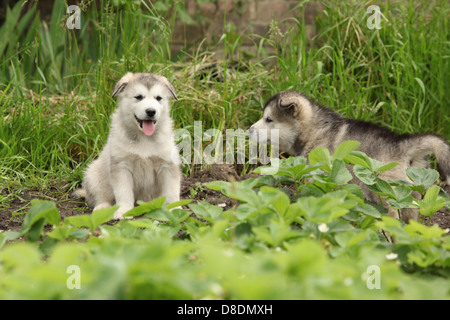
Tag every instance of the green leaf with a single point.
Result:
(244, 211)
(78, 233)
(432, 202)
(241, 191)
(274, 198)
(174, 216)
(379, 166)
(402, 198)
(92, 221)
(324, 209)
(142, 223)
(61, 232)
(160, 214)
(178, 203)
(294, 210)
(275, 233)
(354, 192)
(364, 174)
(417, 229)
(217, 185)
(422, 259)
(401, 192)
(406, 202)
(145, 207)
(35, 231)
(206, 211)
(177, 216)
(41, 211)
(109, 231)
(292, 172)
(320, 156)
(351, 238)
(47, 246)
(382, 188)
(219, 227)
(387, 167)
(102, 216)
(12, 235)
(394, 227)
(339, 172)
(359, 158)
(422, 176)
(368, 210)
(83, 220)
(293, 167)
(344, 149)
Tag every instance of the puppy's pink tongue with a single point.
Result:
(148, 126)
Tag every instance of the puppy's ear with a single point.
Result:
(172, 90)
(118, 88)
(121, 84)
(168, 85)
(289, 102)
(299, 105)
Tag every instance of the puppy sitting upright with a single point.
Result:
(304, 126)
(139, 160)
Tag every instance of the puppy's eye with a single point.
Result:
(268, 120)
(158, 98)
(139, 97)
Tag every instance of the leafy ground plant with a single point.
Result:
(274, 244)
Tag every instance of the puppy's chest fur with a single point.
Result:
(144, 173)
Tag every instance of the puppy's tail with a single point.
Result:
(426, 144)
(78, 194)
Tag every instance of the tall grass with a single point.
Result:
(55, 98)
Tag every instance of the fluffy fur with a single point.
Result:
(139, 160)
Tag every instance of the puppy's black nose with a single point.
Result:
(150, 112)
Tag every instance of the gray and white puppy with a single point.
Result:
(139, 160)
(304, 125)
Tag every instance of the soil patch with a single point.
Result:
(11, 215)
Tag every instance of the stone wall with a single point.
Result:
(210, 18)
(250, 17)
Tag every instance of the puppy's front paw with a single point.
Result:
(118, 215)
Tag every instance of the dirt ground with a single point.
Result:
(191, 188)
